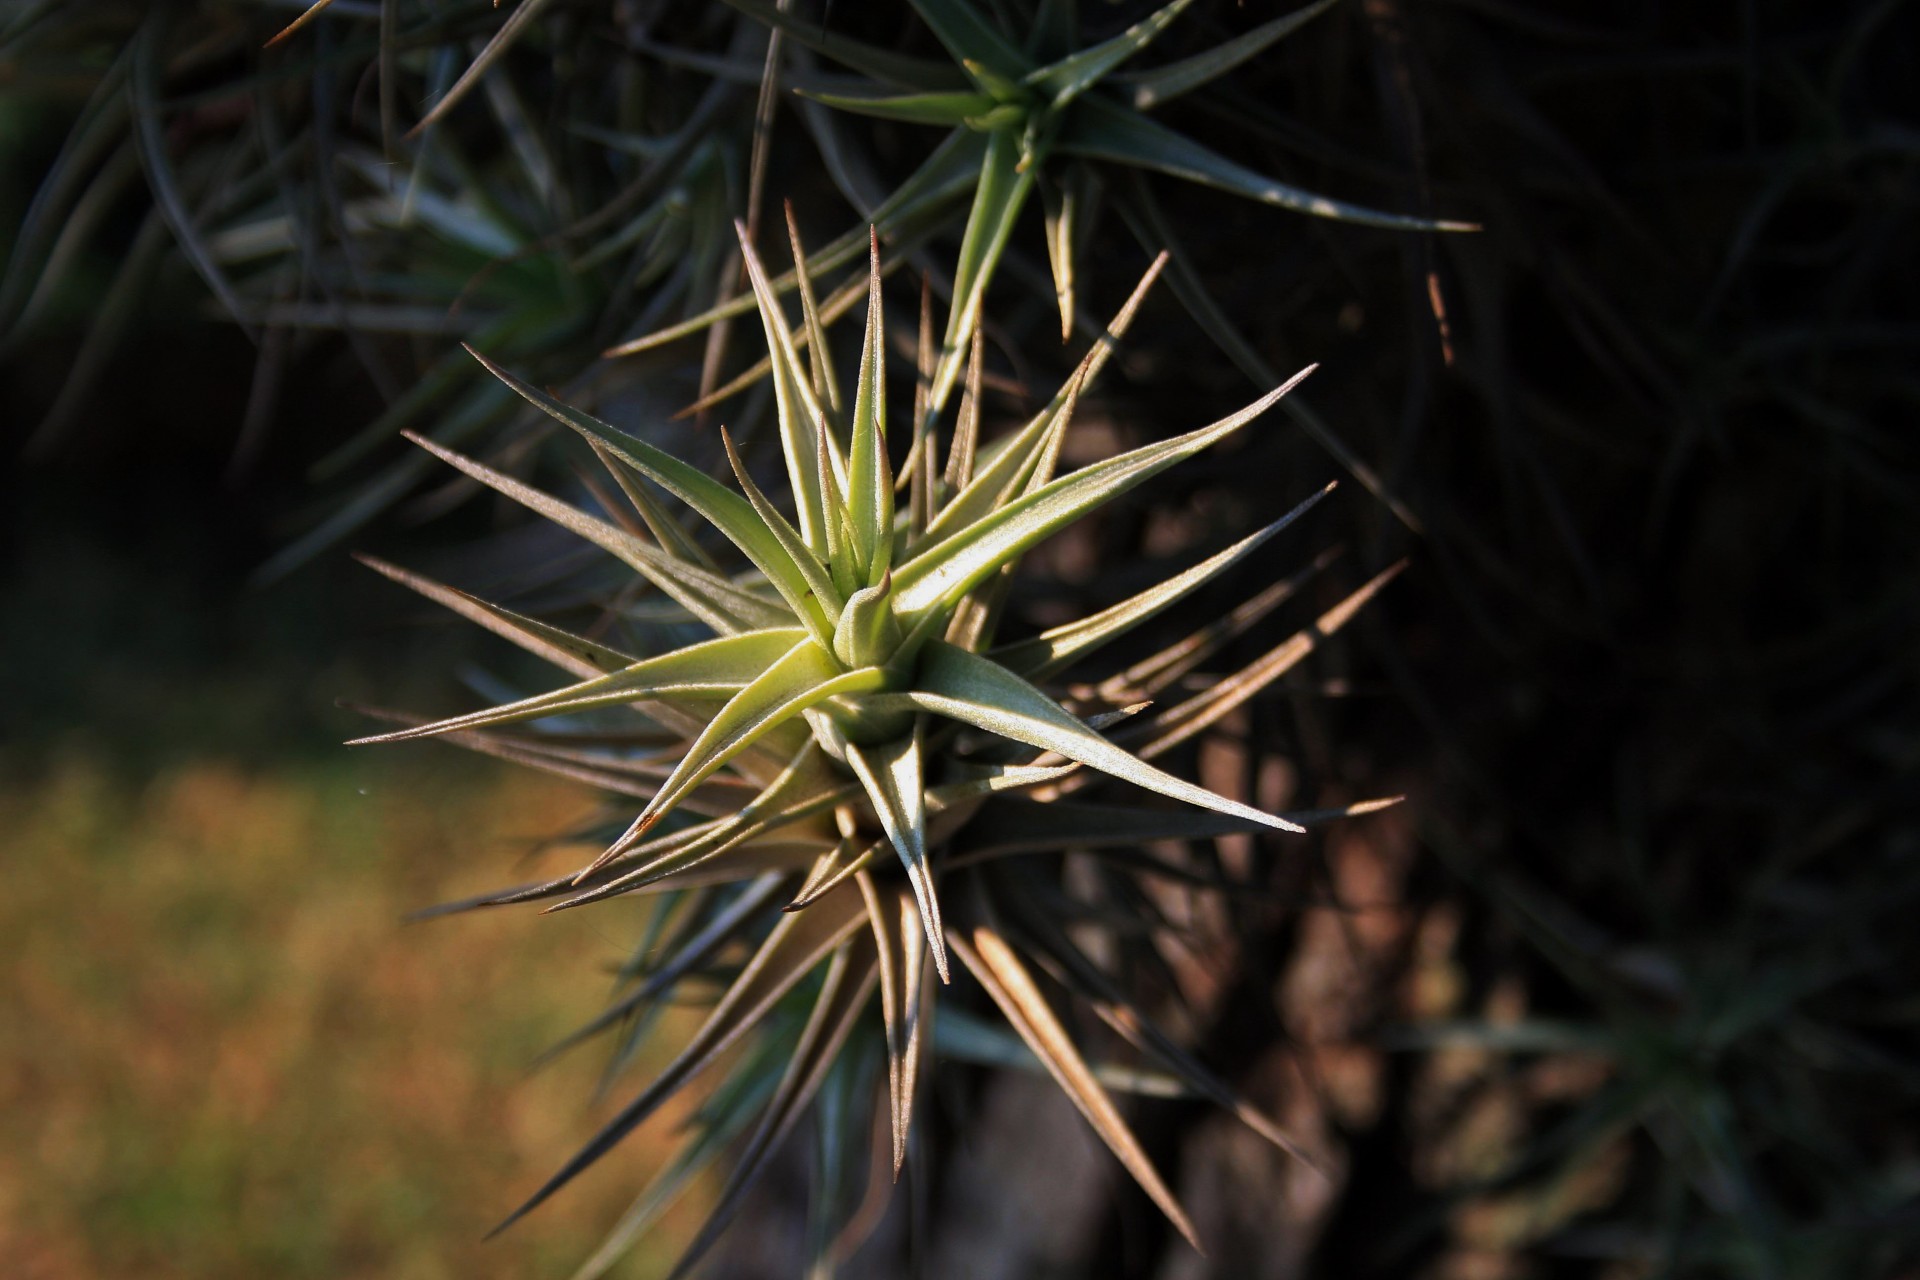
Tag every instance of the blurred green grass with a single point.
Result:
(225, 1055)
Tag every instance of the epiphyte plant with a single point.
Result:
(854, 745)
(1028, 108)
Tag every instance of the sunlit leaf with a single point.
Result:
(892, 774)
(974, 690)
(987, 955)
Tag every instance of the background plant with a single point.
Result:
(1646, 418)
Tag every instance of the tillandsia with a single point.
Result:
(854, 782)
(1029, 108)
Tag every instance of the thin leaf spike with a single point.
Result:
(818, 603)
(939, 577)
(1072, 76)
(974, 690)
(715, 668)
(797, 409)
(870, 486)
(826, 388)
(893, 777)
(805, 676)
(731, 514)
(1013, 989)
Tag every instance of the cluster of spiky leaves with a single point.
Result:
(309, 202)
(542, 222)
(1027, 107)
(853, 745)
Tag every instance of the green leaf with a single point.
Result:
(1052, 650)
(1002, 192)
(714, 668)
(1163, 84)
(968, 37)
(1072, 76)
(893, 777)
(820, 602)
(575, 654)
(869, 484)
(977, 691)
(805, 676)
(826, 387)
(728, 512)
(1105, 131)
(797, 409)
(1004, 471)
(839, 524)
(666, 530)
(940, 576)
(950, 109)
(866, 634)
(709, 597)
(951, 171)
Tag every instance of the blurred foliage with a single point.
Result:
(1638, 1010)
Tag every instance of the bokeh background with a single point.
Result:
(1625, 989)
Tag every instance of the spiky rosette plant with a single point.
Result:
(841, 779)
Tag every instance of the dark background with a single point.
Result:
(1633, 995)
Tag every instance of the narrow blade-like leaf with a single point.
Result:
(1072, 76)
(805, 676)
(511, 30)
(947, 109)
(987, 955)
(1179, 723)
(892, 775)
(999, 476)
(851, 974)
(719, 668)
(1054, 649)
(869, 486)
(575, 654)
(974, 690)
(1107, 131)
(708, 596)
(954, 567)
(796, 408)
(728, 512)
(797, 944)
(1163, 84)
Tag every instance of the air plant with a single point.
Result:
(1027, 109)
(857, 761)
